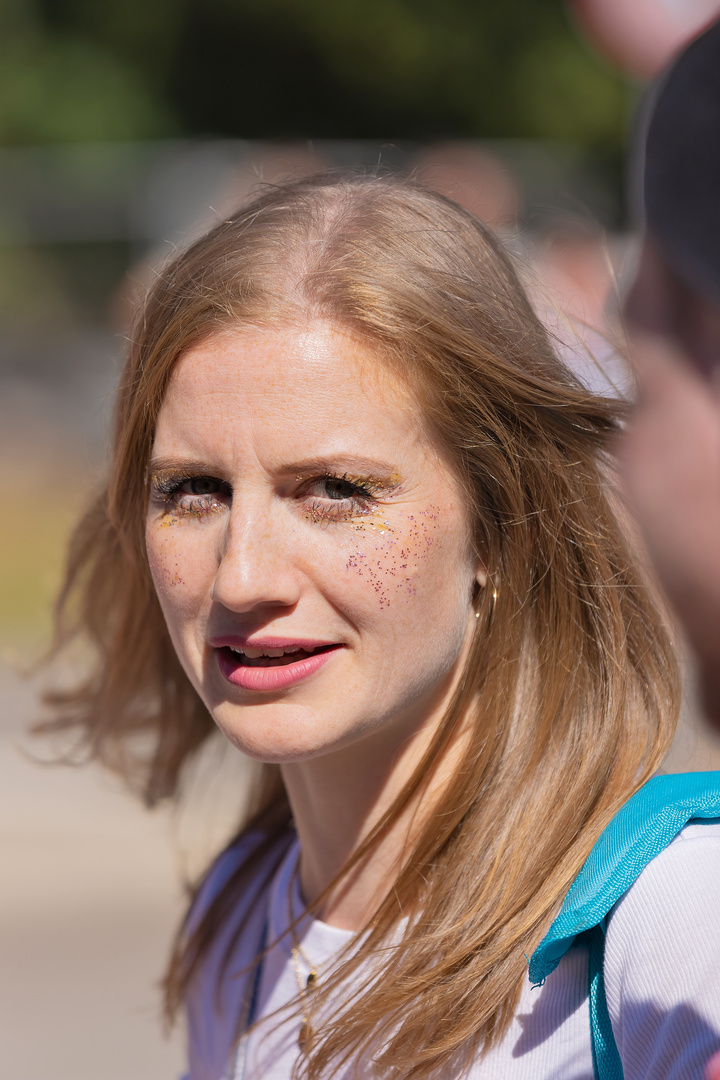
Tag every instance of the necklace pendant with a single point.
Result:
(306, 1038)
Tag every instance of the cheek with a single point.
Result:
(177, 561)
(399, 565)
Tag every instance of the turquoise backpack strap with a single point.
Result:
(642, 828)
(606, 1057)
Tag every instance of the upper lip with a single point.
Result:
(235, 641)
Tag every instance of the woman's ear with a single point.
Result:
(481, 575)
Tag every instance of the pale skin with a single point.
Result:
(310, 502)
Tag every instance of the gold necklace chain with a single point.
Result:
(307, 986)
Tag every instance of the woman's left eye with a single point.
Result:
(336, 487)
(337, 497)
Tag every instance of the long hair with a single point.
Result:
(570, 688)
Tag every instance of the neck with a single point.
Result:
(337, 799)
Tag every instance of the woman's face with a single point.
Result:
(309, 545)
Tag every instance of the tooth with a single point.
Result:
(274, 652)
(235, 650)
(253, 654)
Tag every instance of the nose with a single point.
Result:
(256, 566)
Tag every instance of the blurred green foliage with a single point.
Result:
(75, 70)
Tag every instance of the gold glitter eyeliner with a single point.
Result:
(347, 496)
(166, 481)
(359, 499)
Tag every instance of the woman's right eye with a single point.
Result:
(202, 485)
(193, 496)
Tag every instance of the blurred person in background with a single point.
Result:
(573, 284)
(642, 37)
(357, 518)
(569, 270)
(475, 178)
(672, 449)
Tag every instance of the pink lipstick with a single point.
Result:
(272, 663)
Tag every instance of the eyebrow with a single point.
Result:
(179, 465)
(346, 462)
(309, 466)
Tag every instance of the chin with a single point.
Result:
(269, 735)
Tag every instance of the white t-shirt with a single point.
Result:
(662, 979)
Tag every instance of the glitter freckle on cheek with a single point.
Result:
(165, 569)
(391, 568)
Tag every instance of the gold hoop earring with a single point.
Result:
(476, 598)
(494, 597)
(477, 595)
(492, 608)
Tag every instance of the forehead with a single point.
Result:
(316, 385)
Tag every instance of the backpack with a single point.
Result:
(642, 828)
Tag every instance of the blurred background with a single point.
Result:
(127, 127)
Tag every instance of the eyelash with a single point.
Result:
(167, 490)
(358, 502)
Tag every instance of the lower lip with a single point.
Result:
(267, 679)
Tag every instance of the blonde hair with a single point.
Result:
(571, 685)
